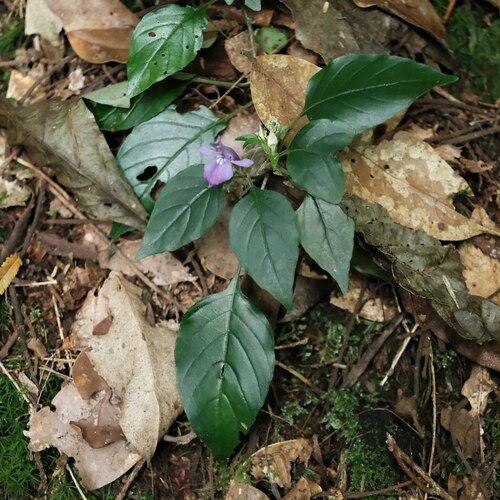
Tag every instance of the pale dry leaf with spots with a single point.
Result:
(243, 491)
(410, 180)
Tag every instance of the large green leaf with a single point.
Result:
(158, 149)
(112, 95)
(364, 90)
(186, 208)
(164, 42)
(65, 136)
(140, 109)
(224, 359)
(327, 235)
(263, 234)
(311, 159)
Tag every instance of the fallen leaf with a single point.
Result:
(275, 461)
(242, 491)
(97, 466)
(424, 267)
(41, 20)
(239, 51)
(98, 30)
(476, 389)
(64, 135)
(12, 194)
(28, 384)
(21, 83)
(85, 377)
(36, 345)
(296, 49)
(420, 13)
(241, 124)
(465, 428)
(411, 181)
(375, 308)
(135, 359)
(303, 489)
(478, 266)
(278, 84)
(8, 270)
(333, 29)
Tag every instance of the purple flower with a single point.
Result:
(220, 169)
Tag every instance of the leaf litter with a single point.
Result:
(459, 274)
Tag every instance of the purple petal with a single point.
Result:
(243, 163)
(217, 143)
(216, 172)
(207, 151)
(229, 153)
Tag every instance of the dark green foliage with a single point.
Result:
(11, 36)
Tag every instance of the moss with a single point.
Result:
(12, 35)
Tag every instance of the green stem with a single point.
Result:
(218, 83)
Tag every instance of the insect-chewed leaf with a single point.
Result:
(365, 90)
(8, 271)
(311, 159)
(164, 42)
(160, 148)
(224, 359)
(327, 235)
(263, 234)
(186, 208)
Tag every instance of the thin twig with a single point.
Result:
(75, 481)
(301, 377)
(130, 479)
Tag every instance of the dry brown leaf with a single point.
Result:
(97, 467)
(420, 13)
(41, 20)
(476, 389)
(278, 85)
(12, 194)
(239, 51)
(242, 491)
(98, 30)
(241, 124)
(85, 377)
(303, 489)
(134, 358)
(8, 271)
(36, 345)
(409, 179)
(375, 307)
(481, 272)
(21, 83)
(275, 461)
(465, 428)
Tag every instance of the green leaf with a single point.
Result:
(141, 108)
(263, 234)
(158, 149)
(112, 95)
(364, 90)
(254, 5)
(164, 42)
(186, 208)
(224, 359)
(270, 39)
(311, 159)
(327, 235)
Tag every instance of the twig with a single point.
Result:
(135, 471)
(301, 377)
(184, 439)
(472, 135)
(77, 485)
(8, 344)
(434, 413)
(363, 494)
(36, 217)
(16, 385)
(359, 368)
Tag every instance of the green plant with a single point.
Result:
(225, 349)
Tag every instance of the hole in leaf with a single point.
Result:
(187, 46)
(353, 160)
(222, 367)
(152, 34)
(386, 167)
(147, 173)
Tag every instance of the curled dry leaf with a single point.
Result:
(242, 491)
(98, 30)
(420, 13)
(134, 358)
(303, 489)
(275, 461)
(411, 181)
(481, 272)
(97, 466)
(65, 136)
(278, 84)
(476, 389)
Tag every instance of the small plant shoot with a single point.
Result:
(225, 349)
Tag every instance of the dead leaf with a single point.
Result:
(85, 377)
(275, 461)
(424, 267)
(476, 389)
(36, 345)
(97, 467)
(135, 359)
(65, 136)
(303, 489)
(98, 30)
(465, 428)
(8, 270)
(278, 84)
(241, 124)
(242, 491)
(214, 249)
(410, 180)
(375, 308)
(481, 272)
(239, 51)
(28, 384)
(21, 83)
(12, 194)
(41, 20)
(333, 29)
(296, 49)
(420, 13)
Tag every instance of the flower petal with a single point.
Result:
(217, 143)
(207, 151)
(216, 173)
(243, 163)
(228, 153)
